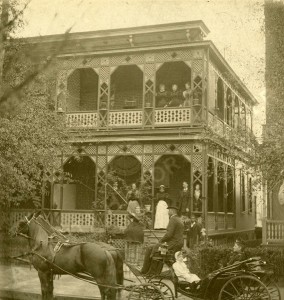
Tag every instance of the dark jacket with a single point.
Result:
(134, 232)
(162, 196)
(236, 257)
(174, 234)
(184, 202)
(194, 233)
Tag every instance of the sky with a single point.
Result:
(236, 27)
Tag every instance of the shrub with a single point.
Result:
(203, 260)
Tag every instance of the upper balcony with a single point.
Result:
(131, 102)
(132, 92)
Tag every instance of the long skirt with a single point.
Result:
(162, 216)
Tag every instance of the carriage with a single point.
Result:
(248, 279)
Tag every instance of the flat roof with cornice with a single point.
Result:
(134, 39)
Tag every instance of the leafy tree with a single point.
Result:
(31, 133)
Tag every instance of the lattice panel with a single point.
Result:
(149, 71)
(104, 74)
(114, 149)
(75, 63)
(119, 244)
(185, 55)
(163, 56)
(197, 162)
(148, 162)
(127, 59)
(197, 66)
(185, 148)
(101, 162)
(91, 149)
(160, 148)
(136, 149)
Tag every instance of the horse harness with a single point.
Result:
(85, 277)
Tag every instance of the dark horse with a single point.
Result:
(52, 254)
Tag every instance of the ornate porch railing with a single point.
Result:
(127, 118)
(74, 220)
(118, 219)
(273, 232)
(173, 116)
(130, 118)
(82, 120)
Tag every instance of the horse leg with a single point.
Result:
(46, 281)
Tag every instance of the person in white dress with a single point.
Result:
(162, 216)
(181, 270)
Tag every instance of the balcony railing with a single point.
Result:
(130, 118)
(273, 232)
(127, 118)
(82, 120)
(242, 134)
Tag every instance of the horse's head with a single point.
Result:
(22, 227)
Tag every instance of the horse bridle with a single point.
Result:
(27, 222)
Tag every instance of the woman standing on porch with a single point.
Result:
(162, 216)
(133, 198)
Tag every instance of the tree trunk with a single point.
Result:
(3, 37)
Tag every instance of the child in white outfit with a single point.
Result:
(182, 271)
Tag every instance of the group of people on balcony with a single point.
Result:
(176, 97)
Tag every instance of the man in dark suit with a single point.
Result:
(173, 237)
(184, 201)
(194, 231)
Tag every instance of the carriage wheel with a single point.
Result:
(244, 287)
(145, 291)
(164, 288)
(272, 288)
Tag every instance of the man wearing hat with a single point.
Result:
(173, 237)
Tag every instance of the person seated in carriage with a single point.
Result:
(238, 252)
(173, 237)
(181, 270)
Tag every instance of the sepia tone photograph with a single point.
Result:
(141, 149)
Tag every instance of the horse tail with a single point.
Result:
(110, 275)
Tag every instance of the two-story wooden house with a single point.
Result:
(155, 104)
